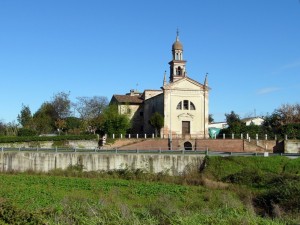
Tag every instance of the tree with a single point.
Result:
(25, 117)
(235, 125)
(2, 128)
(44, 119)
(89, 108)
(288, 113)
(113, 122)
(62, 105)
(210, 118)
(157, 121)
(232, 118)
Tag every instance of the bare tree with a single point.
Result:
(288, 113)
(90, 107)
(62, 104)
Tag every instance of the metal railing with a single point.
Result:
(144, 151)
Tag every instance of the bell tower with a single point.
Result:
(177, 65)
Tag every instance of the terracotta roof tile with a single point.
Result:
(128, 99)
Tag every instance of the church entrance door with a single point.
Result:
(185, 128)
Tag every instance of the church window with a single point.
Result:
(176, 56)
(192, 106)
(178, 71)
(185, 104)
(179, 106)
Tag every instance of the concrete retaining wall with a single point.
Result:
(292, 146)
(39, 161)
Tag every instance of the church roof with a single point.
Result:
(182, 79)
(177, 45)
(128, 99)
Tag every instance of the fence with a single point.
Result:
(144, 151)
(245, 136)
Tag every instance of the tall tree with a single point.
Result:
(45, 117)
(25, 117)
(232, 118)
(62, 105)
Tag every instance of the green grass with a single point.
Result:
(135, 197)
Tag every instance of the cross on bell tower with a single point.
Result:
(177, 65)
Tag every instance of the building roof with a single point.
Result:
(128, 99)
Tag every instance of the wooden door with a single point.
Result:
(185, 128)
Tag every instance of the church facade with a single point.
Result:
(182, 101)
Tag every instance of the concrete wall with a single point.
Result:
(292, 146)
(39, 161)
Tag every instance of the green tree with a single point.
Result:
(25, 117)
(157, 121)
(44, 119)
(113, 122)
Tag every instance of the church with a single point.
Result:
(182, 101)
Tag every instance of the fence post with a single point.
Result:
(113, 136)
(145, 135)
(242, 136)
(275, 137)
(137, 136)
(249, 139)
(121, 135)
(152, 135)
(266, 137)
(256, 137)
(223, 136)
(247, 136)
(286, 137)
(232, 135)
(129, 136)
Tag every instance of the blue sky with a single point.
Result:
(250, 49)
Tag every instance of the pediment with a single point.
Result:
(185, 84)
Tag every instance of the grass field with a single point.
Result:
(231, 190)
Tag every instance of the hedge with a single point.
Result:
(6, 139)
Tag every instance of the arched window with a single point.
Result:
(179, 71)
(179, 106)
(186, 105)
(192, 106)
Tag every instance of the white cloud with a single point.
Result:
(267, 90)
(291, 65)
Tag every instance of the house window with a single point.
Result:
(186, 105)
(179, 106)
(192, 106)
